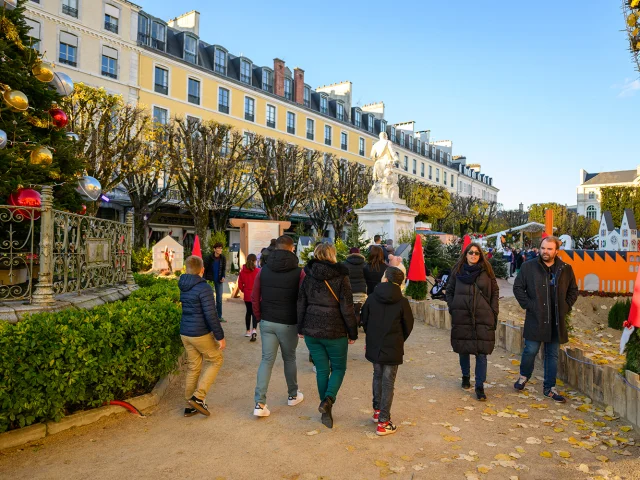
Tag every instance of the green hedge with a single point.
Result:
(52, 364)
(632, 350)
(619, 313)
(141, 259)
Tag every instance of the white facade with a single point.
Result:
(588, 191)
(92, 41)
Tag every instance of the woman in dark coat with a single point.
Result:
(327, 323)
(355, 263)
(472, 297)
(374, 269)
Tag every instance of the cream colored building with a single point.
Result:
(92, 41)
(588, 191)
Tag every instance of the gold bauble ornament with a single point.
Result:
(43, 71)
(41, 156)
(17, 100)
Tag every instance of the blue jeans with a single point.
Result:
(551, 350)
(274, 335)
(217, 291)
(481, 367)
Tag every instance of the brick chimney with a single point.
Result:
(298, 85)
(278, 77)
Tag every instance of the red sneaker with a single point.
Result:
(376, 414)
(386, 428)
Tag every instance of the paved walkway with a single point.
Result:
(443, 431)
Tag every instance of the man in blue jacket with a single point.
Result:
(201, 334)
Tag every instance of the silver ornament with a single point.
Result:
(3, 139)
(9, 4)
(89, 188)
(62, 83)
(74, 137)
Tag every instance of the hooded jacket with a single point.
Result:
(320, 315)
(246, 279)
(199, 316)
(355, 264)
(532, 289)
(275, 289)
(387, 320)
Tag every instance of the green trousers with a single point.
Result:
(330, 359)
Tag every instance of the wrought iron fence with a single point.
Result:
(72, 253)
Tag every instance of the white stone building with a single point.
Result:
(588, 190)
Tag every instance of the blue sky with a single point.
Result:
(531, 92)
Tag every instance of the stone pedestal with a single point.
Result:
(386, 216)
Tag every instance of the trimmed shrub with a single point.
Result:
(619, 313)
(632, 350)
(500, 266)
(141, 259)
(417, 290)
(55, 363)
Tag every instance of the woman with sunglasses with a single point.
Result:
(472, 297)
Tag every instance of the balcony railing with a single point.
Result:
(271, 124)
(343, 146)
(327, 141)
(245, 79)
(68, 10)
(159, 88)
(109, 74)
(73, 63)
(249, 116)
(361, 152)
(190, 57)
(310, 135)
(157, 44)
(194, 99)
(223, 108)
(219, 68)
(143, 38)
(112, 27)
(291, 130)
(267, 87)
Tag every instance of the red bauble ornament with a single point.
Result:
(58, 117)
(82, 211)
(26, 197)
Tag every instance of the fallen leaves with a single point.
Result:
(312, 432)
(546, 454)
(451, 438)
(563, 454)
(533, 441)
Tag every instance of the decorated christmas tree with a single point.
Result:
(35, 148)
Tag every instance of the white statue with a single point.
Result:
(384, 177)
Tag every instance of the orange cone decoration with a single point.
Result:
(196, 252)
(417, 272)
(466, 241)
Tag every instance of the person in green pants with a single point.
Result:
(327, 322)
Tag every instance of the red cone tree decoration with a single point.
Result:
(417, 275)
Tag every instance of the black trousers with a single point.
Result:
(249, 315)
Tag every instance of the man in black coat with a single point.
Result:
(215, 270)
(387, 320)
(546, 288)
(201, 334)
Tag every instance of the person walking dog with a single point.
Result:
(546, 288)
(473, 300)
(327, 322)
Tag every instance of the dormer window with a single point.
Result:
(324, 104)
(267, 81)
(307, 96)
(190, 49)
(402, 138)
(418, 146)
(393, 134)
(372, 121)
(245, 71)
(357, 121)
(143, 30)
(220, 61)
(340, 111)
(383, 126)
(158, 36)
(592, 195)
(410, 142)
(288, 88)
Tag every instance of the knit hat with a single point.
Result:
(354, 250)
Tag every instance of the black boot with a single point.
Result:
(466, 382)
(325, 410)
(480, 394)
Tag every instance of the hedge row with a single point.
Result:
(52, 364)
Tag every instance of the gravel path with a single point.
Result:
(443, 431)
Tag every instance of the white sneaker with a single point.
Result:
(248, 334)
(315, 370)
(293, 401)
(259, 411)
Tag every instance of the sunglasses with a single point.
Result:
(473, 252)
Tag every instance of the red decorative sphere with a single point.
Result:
(25, 197)
(82, 211)
(58, 117)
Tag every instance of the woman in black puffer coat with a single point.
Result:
(472, 297)
(327, 322)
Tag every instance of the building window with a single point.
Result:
(220, 61)
(406, 163)
(383, 126)
(402, 137)
(109, 62)
(410, 142)
(267, 81)
(223, 100)
(415, 166)
(430, 172)
(249, 109)
(194, 91)
(422, 169)
(343, 140)
(190, 49)
(68, 49)
(437, 175)
(361, 146)
(310, 128)
(158, 36)
(291, 123)
(70, 7)
(357, 121)
(111, 16)
(371, 122)
(340, 111)
(161, 82)
(324, 105)
(592, 195)
(288, 88)
(307, 96)
(160, 115)
(393, 134)
(271, 116)
(245, 72)
(327, 134)
(451, 180)
(34, 33)
(418, 146)
(143, 30)
(591, 212)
